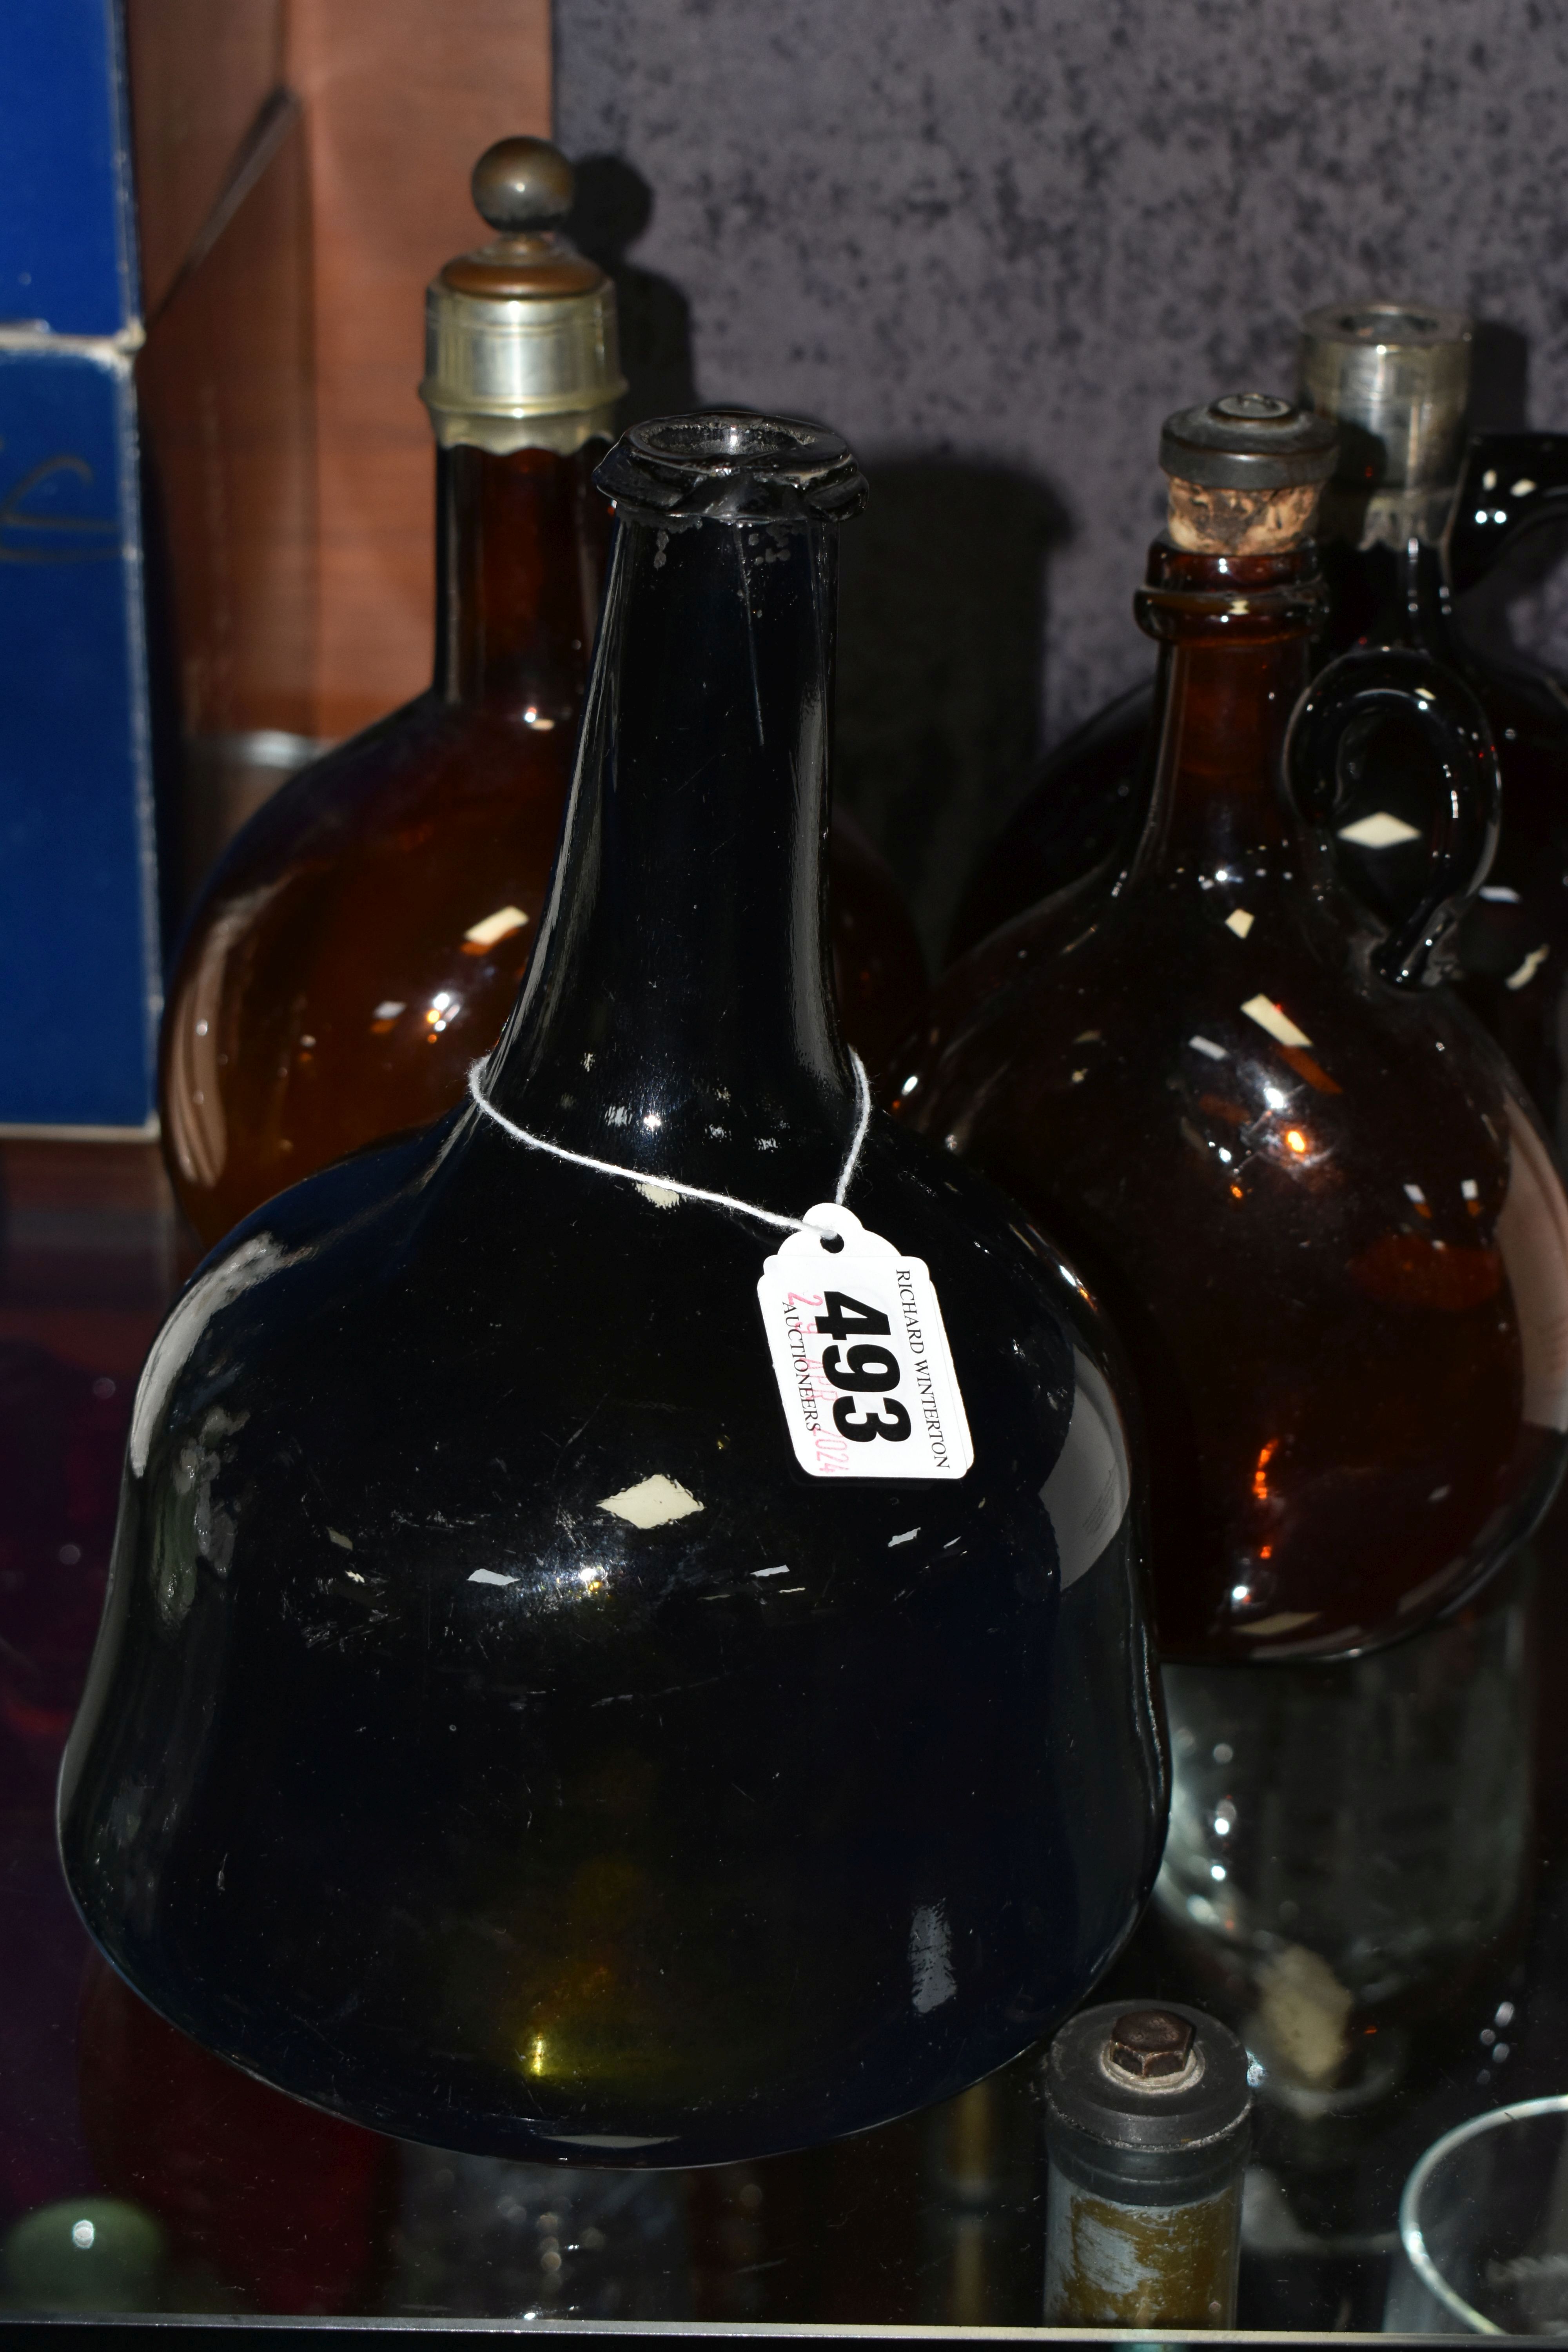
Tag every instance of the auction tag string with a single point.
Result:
(670, 1183)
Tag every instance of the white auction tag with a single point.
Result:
(861, 1357)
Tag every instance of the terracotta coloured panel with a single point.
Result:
(402, 97)
(200, 72)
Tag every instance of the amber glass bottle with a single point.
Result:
(1399, 543)
(364, 937)
(1309, 1185)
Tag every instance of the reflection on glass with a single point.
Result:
(264, 2205)
(1349, 1839)
(480, 2237)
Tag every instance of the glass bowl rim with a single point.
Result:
(1415, 2244)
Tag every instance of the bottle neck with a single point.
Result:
(1384, 593)
(676, 1014)
(519, 551)
(1234, 661)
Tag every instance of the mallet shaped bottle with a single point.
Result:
(495, 1733)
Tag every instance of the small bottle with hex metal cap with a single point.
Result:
(1146, 2131)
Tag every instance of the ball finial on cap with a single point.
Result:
(521, 184)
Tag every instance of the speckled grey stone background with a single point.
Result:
(994, 241)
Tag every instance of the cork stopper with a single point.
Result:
(520, 333)
(1239, 522)
(1245, 474)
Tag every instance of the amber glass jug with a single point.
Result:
(1306, 1181)
(1412, 523)
(364, 937)
(581, 1678)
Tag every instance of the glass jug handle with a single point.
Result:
(1509, 481)
(1330, 730)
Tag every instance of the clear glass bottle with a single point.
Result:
(1351, 1841)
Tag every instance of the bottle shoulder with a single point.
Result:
(1292, 1104)
(460, 1259)
(417, 777)
(1111, 979)
(342, 971)
(1079, 811)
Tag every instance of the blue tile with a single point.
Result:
(66, 232)
(78, 945)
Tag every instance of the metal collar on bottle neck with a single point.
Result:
(1396, 378)
(521, 348)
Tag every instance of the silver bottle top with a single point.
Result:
(519, 334)
(1396, 378)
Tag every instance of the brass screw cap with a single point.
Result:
(519, 334)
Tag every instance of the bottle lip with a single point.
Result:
(733, 465)
(1385, 326)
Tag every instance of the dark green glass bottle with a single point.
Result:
(494, 1733)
